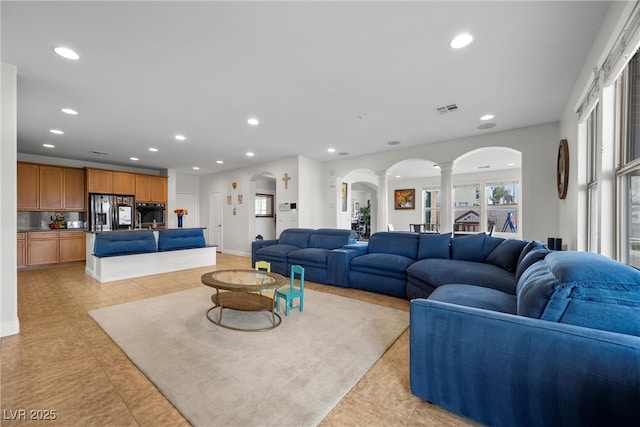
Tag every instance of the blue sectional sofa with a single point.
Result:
(306, 247)
(564, 349)
(412, 265)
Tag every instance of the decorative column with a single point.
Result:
(446, 197)
(383, 201)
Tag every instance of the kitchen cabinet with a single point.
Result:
(124, 183)
(22, 249)
(99, 181)
(72, 246)
(43, 247)
(49, 188)
(27, 188)
(158, 189)
(143, 188)
(73, 189)
(50, 191)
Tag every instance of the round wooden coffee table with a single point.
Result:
(242, 291)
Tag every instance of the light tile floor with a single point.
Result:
(62, 361)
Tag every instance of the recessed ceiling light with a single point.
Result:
(65, 52)
(69, 111)
(135, 159)
(461, 40)
(487, 117)
(56, 131)
(195, 168)
(219, 162)
(250, 154)
(48, 145)
(397, 176)
(511, 164)
(153, 149)
(253, 121)
(180, 137)
(331, 150)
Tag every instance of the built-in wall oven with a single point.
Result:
(151, 214)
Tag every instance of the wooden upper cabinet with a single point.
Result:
(28, 176)
(99, 181)
(143, 188)
(158, 189)
(73, 189)
(124, 183)
(50, 187)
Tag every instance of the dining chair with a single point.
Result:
(264, 266)
(416, 228)
(292, 292)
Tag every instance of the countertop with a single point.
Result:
(148, 229)
(37, 230)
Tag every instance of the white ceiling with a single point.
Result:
(306, 70)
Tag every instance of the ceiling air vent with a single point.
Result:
(98, 153)
(451, 108)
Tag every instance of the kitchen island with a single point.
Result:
(118, 255)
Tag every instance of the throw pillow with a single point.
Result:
(468, 248)
(506, 254)
(433, 245)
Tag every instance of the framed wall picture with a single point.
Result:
(405, 199)
(345, 187)
(562, 168)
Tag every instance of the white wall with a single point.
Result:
(9, 322)
(538, 145)
(239, 230)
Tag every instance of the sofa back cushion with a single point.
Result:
(169, 240)
(331, 238)
(124, 243)
(473, 247)
(394, 242)
(530, 258)
(584, 289)
(298, 237)
(432, 245)
(506, 254)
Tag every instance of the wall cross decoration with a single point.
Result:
(286, 179)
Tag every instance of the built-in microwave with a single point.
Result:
(150, 213)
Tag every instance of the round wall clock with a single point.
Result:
(562, 172)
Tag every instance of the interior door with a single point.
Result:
(215, 220)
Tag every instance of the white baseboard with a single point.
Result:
(9, 328)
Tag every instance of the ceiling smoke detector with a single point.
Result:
(451, 108)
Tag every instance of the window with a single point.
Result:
(593, 178)
(432, 209)
(466, 211)
(628, 175)
(264, 205)
(502, 207)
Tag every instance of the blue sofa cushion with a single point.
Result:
(476, 296)
(528, 248)
(169, 240)
(533, 256)
(309, 257)
(506, 254)
(468, 248)
(583, 289)
(298, 237)
(431, 245)
(275, 252)
(437, 272)
(327, 238)
(381, 264)
(124, 243)
(396, 243)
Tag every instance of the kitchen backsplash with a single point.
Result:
(41, 220)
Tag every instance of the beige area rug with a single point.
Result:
(292, 375)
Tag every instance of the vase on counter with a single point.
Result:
(179, 221)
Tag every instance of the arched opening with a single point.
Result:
(486, 192)
(358, 208)
(263, 205)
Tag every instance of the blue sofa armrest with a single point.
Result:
(504, 370)
(257, 244)
(338, 264)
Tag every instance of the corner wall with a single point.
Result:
(9, 323)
